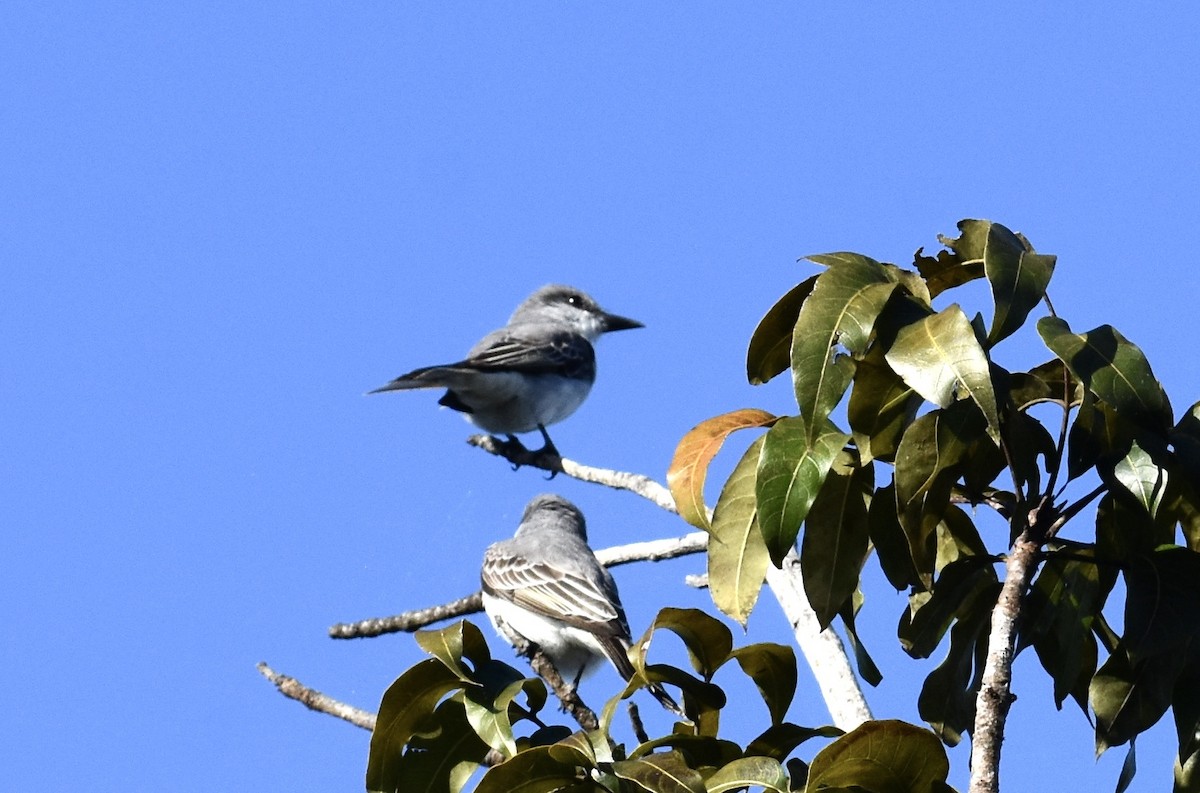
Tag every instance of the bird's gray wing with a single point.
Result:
(533, 349)
(584, 601)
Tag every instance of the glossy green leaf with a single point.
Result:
(941, 359)
(696, 750)
(664, 772)
(792, 467)
(1125, 533)
(1028, 442)
(748, 772)
(407, 704)
(1187, 775)
(707, 640)
(1098, 437)
(881, 406)
(1059, 612)
(882, 755)
(836, 540)
(772, 667)
(689, 467)
(949, 269)
(737, 554)
(770, 350)
(534, 770)
(1130, 698)
(1161, 614)
(443, 761)
(927, 465)
(947, 698)
(780, 740)
(835, 323)
(890, 541)
(1114, 368)
(1018, 278)
(957, 538)
(1144, 479)
(1048, 382)
(962, 588)
(487, 705)
(867, 669)
(454, 644)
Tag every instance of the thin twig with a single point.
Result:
(293, 689)
(640, 484)
(409, 621)
(567, 694)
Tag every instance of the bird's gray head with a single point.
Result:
(548, 510)
(568, 306)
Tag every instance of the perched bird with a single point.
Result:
(546, 586)
(533, 372)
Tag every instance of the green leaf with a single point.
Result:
(951, 268)
(881, 406)
(1098, 437)
(1048, 382)
(772, 667)
(454, 644)
(947, 698)
(1059, 613)
(941, 359)
(737, 554)
(534, 770)
(780, 740)
(890, 541)
(745, 772)
(707, 640)
(962, 588)
(487, 706)
(697, 751)
(1028, 440)
(1114, 368)
(839, 314)
(1018, 277)
(1145, 480)
(665, 772)
(445, 760)
(406, 705)
(927, 464)
(867, 669)
(1185, 704)
(695, 451)
(882, 756)
(836, 540)
(1130, 698)
(792, 467)
(1160, 605)
(771, 343)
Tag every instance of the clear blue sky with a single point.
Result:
(222, 223)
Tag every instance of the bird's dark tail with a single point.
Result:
(616, 653)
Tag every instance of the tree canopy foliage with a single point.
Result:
(907, 434)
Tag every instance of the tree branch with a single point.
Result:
(292, 688)
(640, 484)
(567, 693)
(995, 697)
(409, 621)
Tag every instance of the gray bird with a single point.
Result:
(546, 586)
(533, 372)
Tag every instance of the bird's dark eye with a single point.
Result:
(574, 300)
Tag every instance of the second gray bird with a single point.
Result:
(546, 586)
(532, 373)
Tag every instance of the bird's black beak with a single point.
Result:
(615, 322)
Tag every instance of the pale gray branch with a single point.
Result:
(408, 621)
(292, 688)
